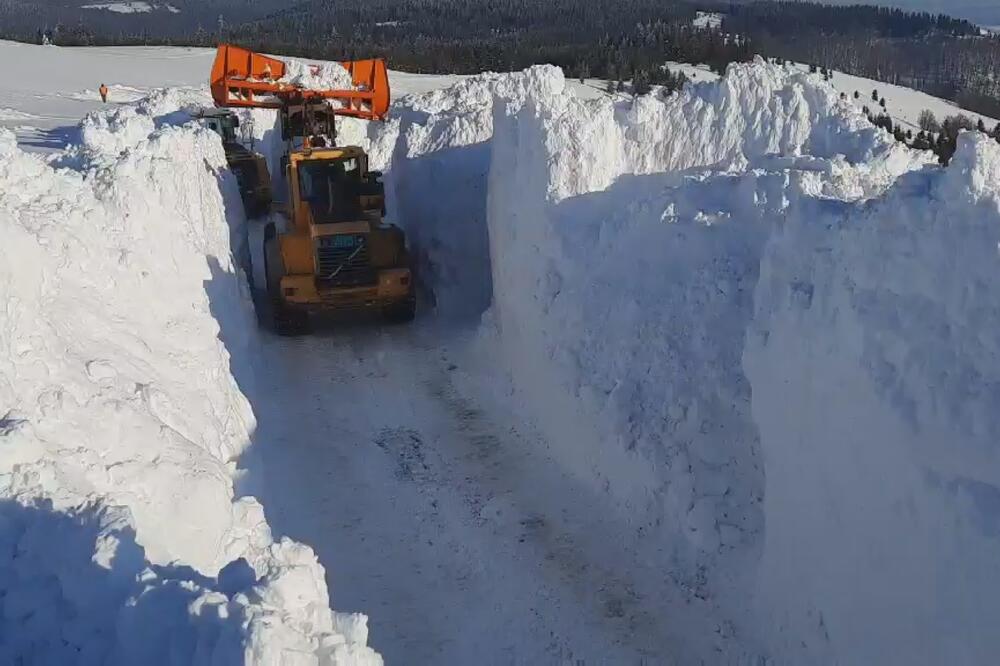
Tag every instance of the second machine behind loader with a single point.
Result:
(330, 249)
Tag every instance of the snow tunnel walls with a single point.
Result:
(874, 361)
(642, 254)
(122, 539)
(622, 291)
(435, 152)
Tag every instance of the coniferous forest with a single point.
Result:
(624, 40)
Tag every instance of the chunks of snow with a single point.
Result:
(323, 76)
(124, 324)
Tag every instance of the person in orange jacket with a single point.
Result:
(104, 93)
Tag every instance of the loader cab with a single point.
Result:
(332, 189)
(223, 123)
(333, 186)
(249, 167)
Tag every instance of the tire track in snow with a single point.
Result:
(444, 521)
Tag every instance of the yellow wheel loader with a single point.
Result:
(248, 166)
(328, 249)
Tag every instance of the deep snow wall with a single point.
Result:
(727, 315)
(875, 366)
(436, 154)
(121, 539)
(625, 244)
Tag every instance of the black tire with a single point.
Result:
(401, 313)
(283, 320)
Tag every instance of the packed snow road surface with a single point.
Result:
(709, 379)
(440, 513)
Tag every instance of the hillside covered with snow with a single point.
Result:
(703, 379)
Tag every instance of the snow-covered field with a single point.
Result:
(903, 104)
(707, 20)
(131, 7)
(706, 380)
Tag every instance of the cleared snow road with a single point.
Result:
(442, 521)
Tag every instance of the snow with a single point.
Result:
(626, 281)
(122, 7)
(875, 389)
(623, 276)
(708, 20)
(627, 244)
(903, 104)
(7, 113)
(324, 76)
(703, 379)
(123, 422)
(696, 73)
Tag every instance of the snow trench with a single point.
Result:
(763, 330)
(755, 323)
(122, 540)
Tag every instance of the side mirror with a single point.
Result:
(375, 174)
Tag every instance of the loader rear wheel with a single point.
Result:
(283, 319)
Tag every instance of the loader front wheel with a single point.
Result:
(283, 319)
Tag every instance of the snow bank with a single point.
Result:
(875, 366)
(848, 449)
(323, 76)
(623, 274)
(758, 117)
(121, 421)
(634, 248)
(435, 150)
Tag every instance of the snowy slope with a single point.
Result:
(903, 104)
(124, 541)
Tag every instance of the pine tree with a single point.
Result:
(640, 83)
(927, 121)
